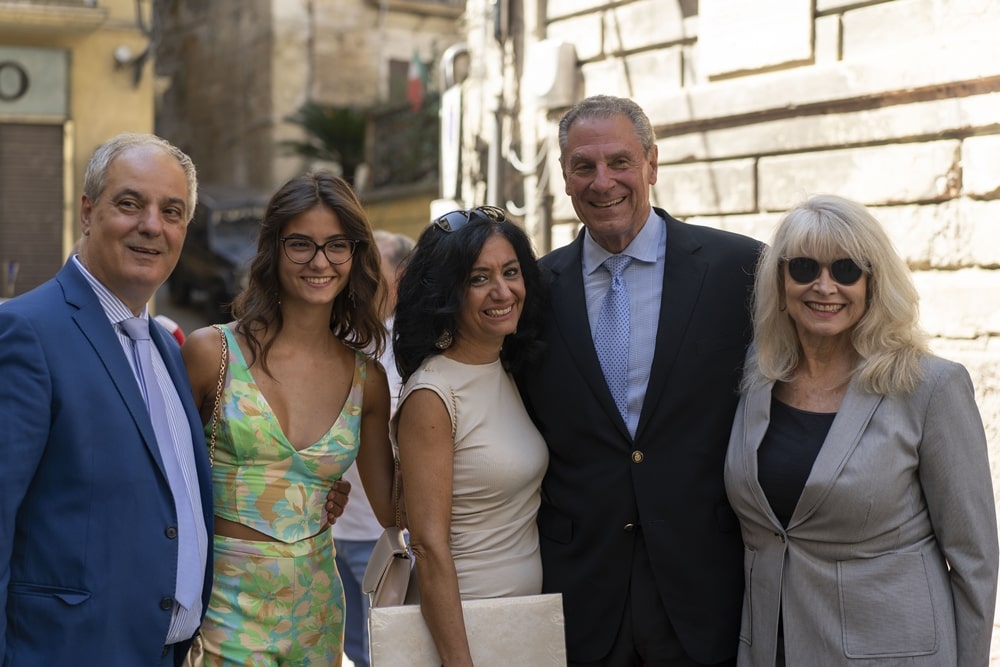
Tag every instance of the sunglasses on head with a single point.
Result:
(804, 270)
(454, 221)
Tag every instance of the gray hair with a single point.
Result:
(394, 247)
(603, 107)
(95, 178)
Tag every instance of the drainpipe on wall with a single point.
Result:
(451, 135)
(494, 156)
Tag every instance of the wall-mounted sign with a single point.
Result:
(13, 81)
(34, 82)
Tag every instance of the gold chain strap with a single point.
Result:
(454, 409)
(395, 458)
(218, 393)
(395, 490)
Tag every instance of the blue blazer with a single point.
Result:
(87, 563)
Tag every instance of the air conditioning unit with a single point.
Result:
(550, 73)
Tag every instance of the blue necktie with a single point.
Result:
(190, 564)
(611, 335)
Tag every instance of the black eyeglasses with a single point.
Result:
(804, 270)
(302, 250)
(454, 221)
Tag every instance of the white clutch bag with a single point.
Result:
(502, 632)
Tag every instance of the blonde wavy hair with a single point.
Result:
(888, 339)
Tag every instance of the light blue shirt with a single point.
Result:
(644, 280)
(183, 622)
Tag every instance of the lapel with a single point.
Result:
(683, 275)
(569, 307)
(755, 418)
(848, 426)
(93, 323)
(845, 433)
(178, 375)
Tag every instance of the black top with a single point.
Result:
(787, 453)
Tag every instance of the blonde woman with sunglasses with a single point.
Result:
(857, 464)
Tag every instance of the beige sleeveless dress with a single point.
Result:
(500, 459)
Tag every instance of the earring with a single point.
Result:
(444, 341)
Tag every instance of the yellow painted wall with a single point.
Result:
(103, 97)
(405, 213)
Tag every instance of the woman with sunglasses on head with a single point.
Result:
(857, 463)
(470, 458)
(301, 401)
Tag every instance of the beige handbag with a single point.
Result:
(387, 575)
(388, 572)
(527, 630)
(196, 655)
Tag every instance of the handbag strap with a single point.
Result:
(218, 394)
(396, 481)
(395, 490)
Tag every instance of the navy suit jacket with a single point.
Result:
(601, 482)
(87, 563)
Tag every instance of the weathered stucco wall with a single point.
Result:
(232, 71)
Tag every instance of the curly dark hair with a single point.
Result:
(433, 284)
(355, 317)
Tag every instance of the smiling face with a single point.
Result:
(824, 311)
(317, 281)
(133, 233)
(493, 298)
(608, 177)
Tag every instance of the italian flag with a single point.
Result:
(416, 82)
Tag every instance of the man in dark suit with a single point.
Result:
(105, 503)
(635, 528)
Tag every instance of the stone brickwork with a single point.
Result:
(895, 103)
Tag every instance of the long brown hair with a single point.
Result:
(355, 317)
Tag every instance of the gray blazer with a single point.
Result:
(900, 490)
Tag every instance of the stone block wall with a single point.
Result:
(895, 103)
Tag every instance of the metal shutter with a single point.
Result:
(31, 202)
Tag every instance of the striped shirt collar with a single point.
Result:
(115, 309)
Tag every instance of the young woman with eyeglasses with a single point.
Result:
(471, 460)
(857, 463)
(301, 401)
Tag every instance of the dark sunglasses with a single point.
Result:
(804, 270)
(454, 221)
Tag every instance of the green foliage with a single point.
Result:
(407, 144)
(334, 134)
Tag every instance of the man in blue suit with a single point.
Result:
(90, 503)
